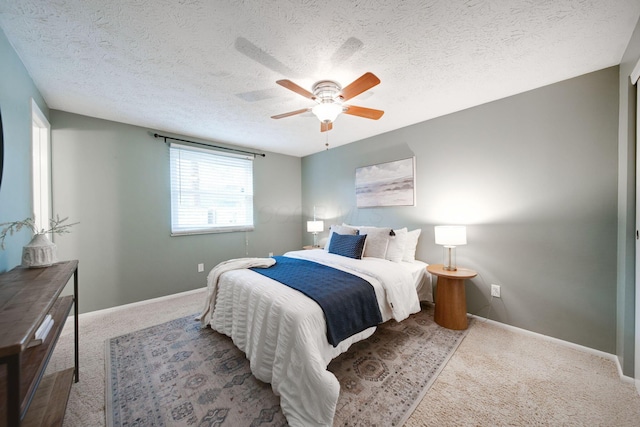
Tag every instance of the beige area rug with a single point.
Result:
(497, 377)
(179, 374)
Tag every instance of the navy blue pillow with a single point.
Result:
(347, 245)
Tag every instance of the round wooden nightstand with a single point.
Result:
(451, 303)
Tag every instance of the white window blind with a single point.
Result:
(211, 192)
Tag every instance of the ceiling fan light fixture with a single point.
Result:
(329, 97)
(327, 112)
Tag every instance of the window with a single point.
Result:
(211, 192)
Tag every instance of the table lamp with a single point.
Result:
(450, 236)
(315, 227)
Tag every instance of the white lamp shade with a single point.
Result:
(315, 226)
(451, 235)
(327, 112)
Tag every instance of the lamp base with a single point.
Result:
(449, 258)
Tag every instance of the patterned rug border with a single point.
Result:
(427, 387)
(108, 398)
(408, 411)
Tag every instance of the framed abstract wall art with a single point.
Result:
(386, 184)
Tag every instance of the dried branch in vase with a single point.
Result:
(56, 226)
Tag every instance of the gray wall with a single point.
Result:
(627, 208)
(16, 91)
(114, 179)
(533, 176)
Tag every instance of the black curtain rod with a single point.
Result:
(209, 145)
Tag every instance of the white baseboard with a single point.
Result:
(139, 303)
(574, 346)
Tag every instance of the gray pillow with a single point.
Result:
(377, 241)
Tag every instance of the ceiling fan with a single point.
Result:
(330, 97)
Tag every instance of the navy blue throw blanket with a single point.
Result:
(348, 301)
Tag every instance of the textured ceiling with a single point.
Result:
(207, 68)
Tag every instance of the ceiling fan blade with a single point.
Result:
(297, 89)
(367, 113)
(361, 84)
(324, 127)
(291, 113)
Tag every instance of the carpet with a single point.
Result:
(178, 374)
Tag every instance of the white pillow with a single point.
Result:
(340, 229)
(410, 245)
(397, 243)
(377, 241)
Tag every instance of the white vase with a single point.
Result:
(40, 252)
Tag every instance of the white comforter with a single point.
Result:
(283, 333)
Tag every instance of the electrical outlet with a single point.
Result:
(200, 268)
(270, 254)
(495, 291)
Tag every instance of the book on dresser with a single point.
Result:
(42, 331)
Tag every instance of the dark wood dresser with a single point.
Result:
(27, 295)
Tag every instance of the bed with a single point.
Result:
(284, 333)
